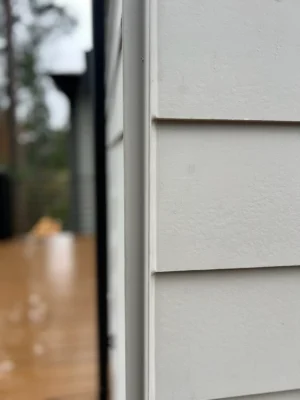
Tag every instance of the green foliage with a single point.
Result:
(44, 172)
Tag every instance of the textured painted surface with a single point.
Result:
(112, 31)
(221, 334)
(228, 196)
(115, 112)
(229, 59)
(115, 203)
(290, 395)
(116, 267)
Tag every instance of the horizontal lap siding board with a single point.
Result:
(227, 195)
(228, 59)
(220, 334)
(290, 395)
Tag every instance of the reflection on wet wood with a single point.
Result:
(47, 319)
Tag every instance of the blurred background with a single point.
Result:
(44, 56)
(47, 211)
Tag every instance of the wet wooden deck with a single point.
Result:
(47, 320)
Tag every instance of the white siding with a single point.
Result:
(222, 334)
(230, 59)
(113, 25)
(208, 205)
(222, 197)
(290, 395)
(116, 267)
(114, 126)
(115, 182)
(227, 196)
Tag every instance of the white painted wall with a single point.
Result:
(230, 59)
(223, 197)
(291, 395)
(210, 205)
(116, 268)
(115, 182)
(114, 124)
(226, 196)
(226, 333)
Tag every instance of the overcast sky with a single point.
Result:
(67, 55)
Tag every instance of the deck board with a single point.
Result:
(48, 319)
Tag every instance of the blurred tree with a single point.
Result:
(46, 21)
(29, 25)
(11, 95)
